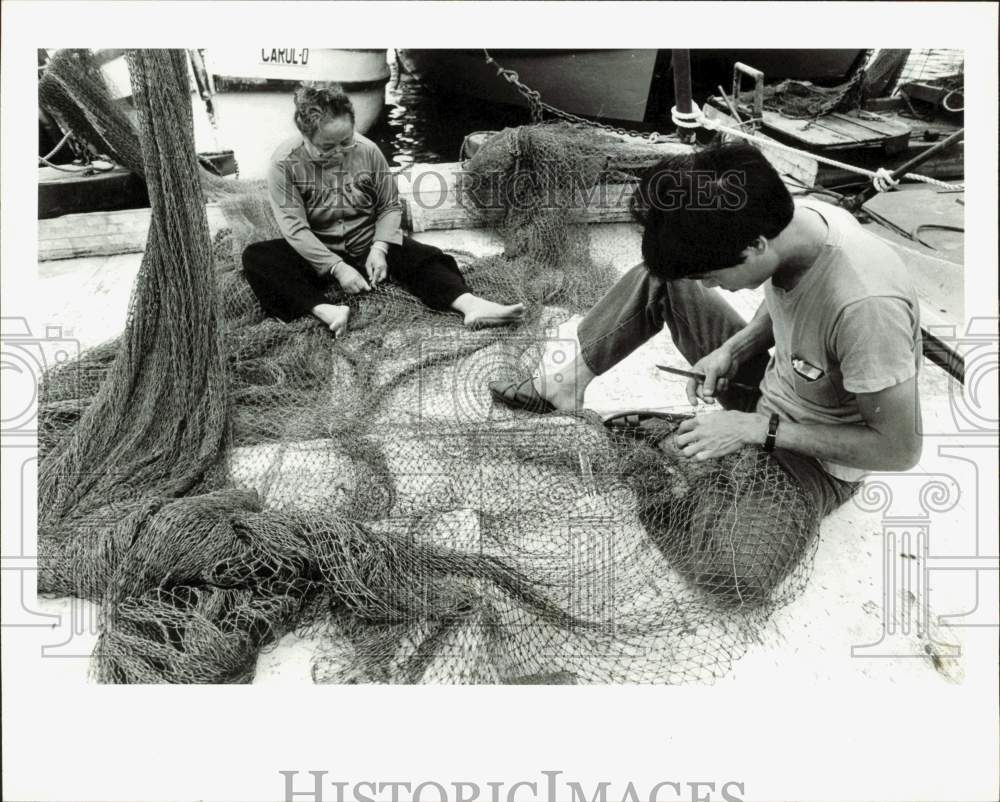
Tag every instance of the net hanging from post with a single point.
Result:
(215, 480)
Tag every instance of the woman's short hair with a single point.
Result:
(701, 211)
(317, 100)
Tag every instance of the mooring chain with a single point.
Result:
(539, 107)
(533, 97)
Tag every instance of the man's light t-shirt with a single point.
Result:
(851, 325)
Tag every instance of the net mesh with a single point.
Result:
(215, 480)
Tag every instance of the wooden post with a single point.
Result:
(682, 90)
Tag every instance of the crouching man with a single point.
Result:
(837, 398)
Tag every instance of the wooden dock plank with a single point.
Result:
(74, 236)
(839, 130)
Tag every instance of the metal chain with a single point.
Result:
(538, 107)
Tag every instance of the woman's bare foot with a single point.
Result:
(479, 312)
(335, 317)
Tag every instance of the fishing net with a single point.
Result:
(215, 479)
(805, 100)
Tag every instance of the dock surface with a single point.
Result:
(810, 641)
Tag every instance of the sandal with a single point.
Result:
(520, 395)
(644, 424)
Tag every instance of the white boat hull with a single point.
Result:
(251, 91)
(252, 94)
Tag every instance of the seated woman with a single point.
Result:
(335, 203)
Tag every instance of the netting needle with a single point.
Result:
(701, 377)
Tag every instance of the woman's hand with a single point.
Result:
(719, 433)
(376, 266)
(719, 366)
(350, 279)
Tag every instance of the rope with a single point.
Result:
(883, 180)
(83, 169)
(57, 148)
(946, 98)
(687, 119)
(881, 177)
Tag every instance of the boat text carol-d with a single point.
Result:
(287, 55)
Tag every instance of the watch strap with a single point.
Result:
(772, 432)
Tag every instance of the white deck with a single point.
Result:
(811, 640)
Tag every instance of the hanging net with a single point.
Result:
(215, 479)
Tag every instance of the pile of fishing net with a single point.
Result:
(214, 479)
(806, 100)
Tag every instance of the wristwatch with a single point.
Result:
(772, 432)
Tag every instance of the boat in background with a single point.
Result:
(609, 84)
(634, 86)
(242, 108)
(823, 66)
(250, 91)
(77, 182)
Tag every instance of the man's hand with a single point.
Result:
(718, 367)
(376, 266)
(350, 279)
(719, 433)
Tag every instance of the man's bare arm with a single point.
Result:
(754, 338)
(889, 439)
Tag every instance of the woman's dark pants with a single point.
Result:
(288, 288)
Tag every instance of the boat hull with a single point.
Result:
(821, 65)
(251, 93)
(75, 192)
(621, 85)
(608, 84)
(252, 88)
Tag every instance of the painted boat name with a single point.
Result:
(287, 55)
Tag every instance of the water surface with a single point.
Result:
(422, 125)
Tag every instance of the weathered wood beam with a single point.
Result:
(432, 199)
(74, 236)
